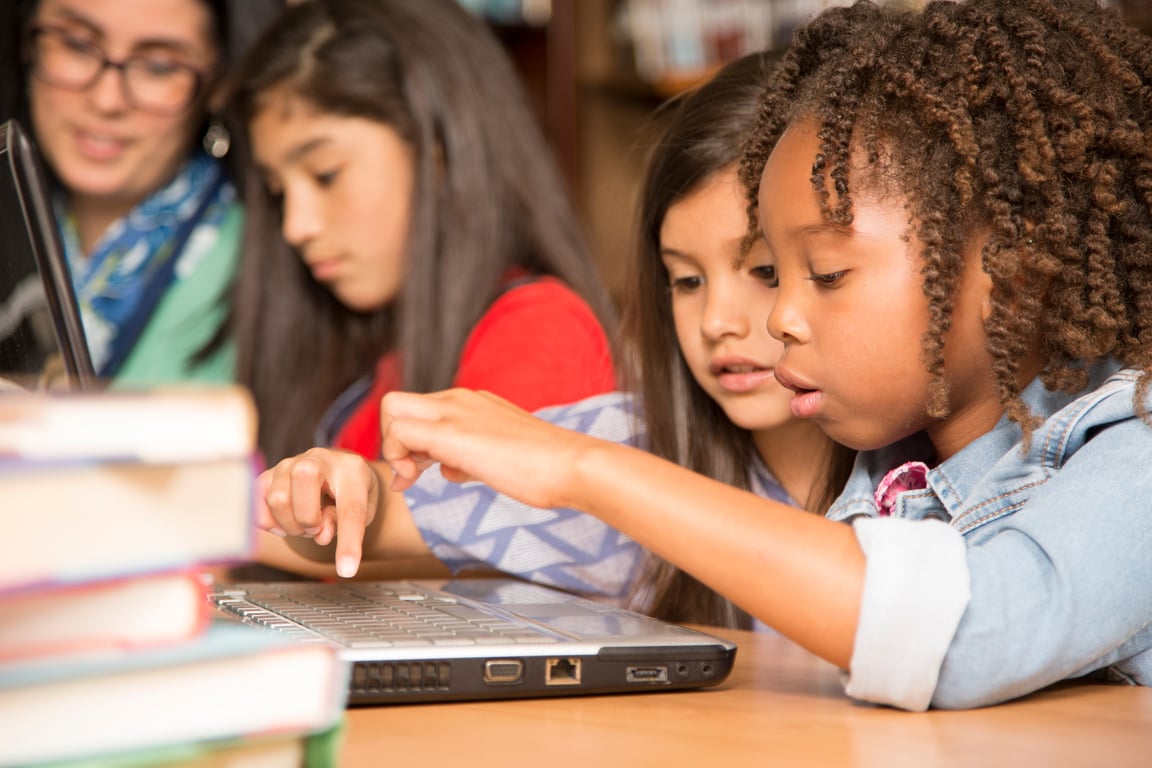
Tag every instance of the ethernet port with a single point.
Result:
(562, 672)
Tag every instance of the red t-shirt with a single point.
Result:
(539, 344)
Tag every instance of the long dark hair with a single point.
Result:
(487, 196)
(705, 132)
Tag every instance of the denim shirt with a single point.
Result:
(1018, 566)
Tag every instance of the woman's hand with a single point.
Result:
(479, 436)
(321, 494)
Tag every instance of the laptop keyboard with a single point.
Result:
(369, 616)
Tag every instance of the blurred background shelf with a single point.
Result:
(596, 71)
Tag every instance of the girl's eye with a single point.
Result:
(324, 177)
(828, 279)
(767, 274)
(686, 284)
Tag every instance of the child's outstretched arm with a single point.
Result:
(798, 572)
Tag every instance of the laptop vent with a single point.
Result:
(377, 677)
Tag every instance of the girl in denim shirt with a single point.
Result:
(957, 205)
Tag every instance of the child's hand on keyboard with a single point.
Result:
(321, 494)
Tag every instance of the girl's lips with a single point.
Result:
(739, 375)
(325, 269)
(807, 402)
(740, 381)
(788, 381)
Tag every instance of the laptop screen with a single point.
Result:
(42, 342)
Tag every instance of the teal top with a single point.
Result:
(188, 316)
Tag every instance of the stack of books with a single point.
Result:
(113, 505)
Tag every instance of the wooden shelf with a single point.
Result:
(545, 57)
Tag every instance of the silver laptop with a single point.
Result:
(42, 341)
(480, 639)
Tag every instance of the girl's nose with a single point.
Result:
(786, 320)
(301, 222)
(725, 313)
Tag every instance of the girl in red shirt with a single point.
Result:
(427, 240)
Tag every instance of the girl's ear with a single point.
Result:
(978, 282)
(984, 281)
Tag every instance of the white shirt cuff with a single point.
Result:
(916, 590)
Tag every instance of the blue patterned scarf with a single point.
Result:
(137, 258)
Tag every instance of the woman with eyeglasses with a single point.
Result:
(123, 99)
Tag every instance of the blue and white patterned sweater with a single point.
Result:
(470, 526)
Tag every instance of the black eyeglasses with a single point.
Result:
(152, 83)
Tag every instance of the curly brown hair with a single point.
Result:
(1028, 121)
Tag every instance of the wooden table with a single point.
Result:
(781, 706)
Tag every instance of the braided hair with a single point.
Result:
(1028, 121)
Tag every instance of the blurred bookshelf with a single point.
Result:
(596, 70)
